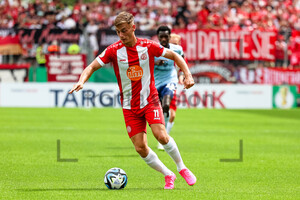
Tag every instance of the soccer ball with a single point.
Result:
(115, 178)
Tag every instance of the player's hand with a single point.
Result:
(180, 79)
(188, 81)
(78, 86)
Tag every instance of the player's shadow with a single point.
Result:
(117, 156)
(118, 148)
(82, 189)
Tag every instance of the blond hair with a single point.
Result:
(175, 38)
(124, 17)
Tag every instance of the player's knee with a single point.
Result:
(141, 149)
(163, 139)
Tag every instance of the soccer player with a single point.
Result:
(175, 39)
(165, 75)
(133, 62)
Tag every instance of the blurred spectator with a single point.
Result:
(281, 47)
(40, 55)
(248, 15)
(53, 48)
(73, 49)
(92, 29)
(294, 50)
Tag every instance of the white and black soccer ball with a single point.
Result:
(115, 178)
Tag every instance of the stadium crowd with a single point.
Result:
(149, 14)
(279, 15)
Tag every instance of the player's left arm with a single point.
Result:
(180, 62)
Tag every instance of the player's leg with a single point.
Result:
(168, 143)
(136, 128)
(166, 97)
(140, 143)
(165, 103)
(173, 108)
(155, 119)
(171, 121)
(171, 148)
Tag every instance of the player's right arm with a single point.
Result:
(102, 59)
(85, 75)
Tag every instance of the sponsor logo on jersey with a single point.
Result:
(134, 72)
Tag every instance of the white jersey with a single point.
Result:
(167, 73)
(134, 68)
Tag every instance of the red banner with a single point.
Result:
(278, 76)
(274, 76)
(14, 72)
(65, 67)
(10, 45)
(223, 45)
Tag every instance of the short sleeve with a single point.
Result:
(105, 56)
(157, 49)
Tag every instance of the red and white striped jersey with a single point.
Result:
(134, 69)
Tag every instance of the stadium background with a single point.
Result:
(225, 42)
(242, 54)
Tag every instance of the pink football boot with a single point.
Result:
(170, 181)
(189, 177)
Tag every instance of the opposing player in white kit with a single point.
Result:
(165, 75)
(133, 62)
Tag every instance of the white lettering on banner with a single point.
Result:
(208, 45)
(247, 76)
(266, 45)
(13, 75)
(6, 76)
(212, 44)
(269, 76)
(256, 50)
(244, 44)
(259, 75)
(20, 75)
(202, 50)
(234, 47)
(66, 65)
(192, 47)
(66, 78)
(65, 58)
(224, 46)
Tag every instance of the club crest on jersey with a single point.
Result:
(134, 72)
(144, 56)
(128, 129)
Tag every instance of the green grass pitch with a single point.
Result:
(97, 138)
